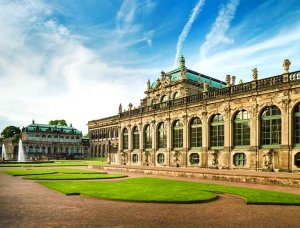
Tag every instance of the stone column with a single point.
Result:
(169, 140)
(185, 140)
(205, 132)
(120, 144)
(141, 142)
(154, 146)
(227, 136)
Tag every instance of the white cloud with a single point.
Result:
(47, 73)
(186, 29)
(267, 55)
(217, 34)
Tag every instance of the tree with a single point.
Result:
(58, 122)
(10, 132)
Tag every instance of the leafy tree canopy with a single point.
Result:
(58, 122)
(10, 132)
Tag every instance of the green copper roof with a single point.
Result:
(46, 128)
(192, 76)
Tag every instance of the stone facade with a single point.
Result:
(42, 141)
(190, 122)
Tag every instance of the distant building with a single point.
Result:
(188, 119)
(53, 142)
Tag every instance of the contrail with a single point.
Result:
(221, 25)
(187, 28)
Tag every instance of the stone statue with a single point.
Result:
(233, 80)
(163, 75)
(286, 65)
(148, 84)
(205, 86)
(120, 108)
(227, 80)
(182, 62)
(254, 74)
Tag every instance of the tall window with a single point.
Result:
(147, 137)
(161, 136)
(270, 127)
(177, 134)
(125, 139)
(296, 124)
(241, 129)
(136, 139)
(217, 131)
(196, 133)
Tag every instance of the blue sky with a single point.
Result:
(79, 60)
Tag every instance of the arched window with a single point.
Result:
(31, 150)
(136, 138)
(147, 137)
(49, 150)
(270, 127)
(164, 98)
(177, 134)
(43, 149)
(296, 124)
(194, 158)
(239, 159)
(160, 158)
(135, 158)
(161, 135)
(125, 139)
(49, 138)
(241, 129)
(175, 95)
(217, 131)
(195, 133)
(67, 150)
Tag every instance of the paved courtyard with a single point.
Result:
(24, 203)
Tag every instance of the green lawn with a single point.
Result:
(24, 172)
(72, 176)
(163, 190)
(56, 163)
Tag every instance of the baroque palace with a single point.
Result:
(53, 142)
(188, 119)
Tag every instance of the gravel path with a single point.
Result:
(24, 203)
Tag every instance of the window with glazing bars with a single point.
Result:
(162, 136)
(196, 133)
(177, 135)
(241, 129)
(147, 137)
(217, 131)
(136, 139)
(270, 127)
(125, 139)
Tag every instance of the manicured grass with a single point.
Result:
(163, 190)
(24, 172)
(55, 163)
(95, 159)
(70, 176)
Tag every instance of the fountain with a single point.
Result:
(21, 156)
(4, 155)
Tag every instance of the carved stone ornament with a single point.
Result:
(254, 74)
(285, 104)
(286, 65)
